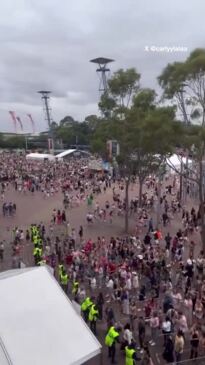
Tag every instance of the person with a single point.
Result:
(85, 307)
(141, 332)
(166, 328)
(182, 323)
(75, 288)
(130, 354)
(60, 269)
(146, 358)
(168, 353)
(110, 317)
(1, 251)
(194, 343)
(100, 303)
(111, 338)
(92, 317)
(179, 346)
(37, 253)
(154, 325)
(127, 336)
(64, 280)
(80, 233)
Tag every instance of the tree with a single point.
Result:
(121, 88)
(151, 136)
(133, 118)
(146, 137)
(185, 81)
(92, 122)
(67, 121)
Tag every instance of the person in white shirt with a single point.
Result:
(93, 283)
(128, 284)
(166, 329)
(110, 284)
(135, 281)
(127, 336)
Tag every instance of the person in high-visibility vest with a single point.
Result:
(92, 317)
(111, 338)
(85, 307)
(130, 355)
(60, 269)
(75, 287)
(64, 280)
(40, 242)
(35, 240)
(37, 253)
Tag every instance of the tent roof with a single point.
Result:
(176, 161)
(65, 153)
(40, 156)
(36, 314)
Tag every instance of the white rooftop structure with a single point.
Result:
(40, 156)
(65, 153)
(39, 324)
(176, 161)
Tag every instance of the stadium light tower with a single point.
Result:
(102, 70)
(45, 95)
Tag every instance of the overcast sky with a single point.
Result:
(47, 44)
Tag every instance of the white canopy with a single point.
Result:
(40, 156)
(65, 153)
(38, 322)
(176, 161)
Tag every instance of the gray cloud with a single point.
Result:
(48, 44)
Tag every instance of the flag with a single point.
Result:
(13, 116)
(32, 122)
(50, 144)
(20, 122)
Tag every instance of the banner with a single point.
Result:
(13, 116)
(20, 122)
(32, 122)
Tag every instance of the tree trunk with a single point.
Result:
(140, 192)
(181, 183)
(127, 205)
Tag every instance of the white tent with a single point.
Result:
(40, 156)
(65, 153)
(175, 161)
(38, 322)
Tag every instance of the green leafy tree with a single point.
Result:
(185, 82)
(121, 88)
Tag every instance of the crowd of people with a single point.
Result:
(143, 292)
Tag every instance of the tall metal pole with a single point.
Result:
(47, 110)
(45, 98)
(102, 70)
